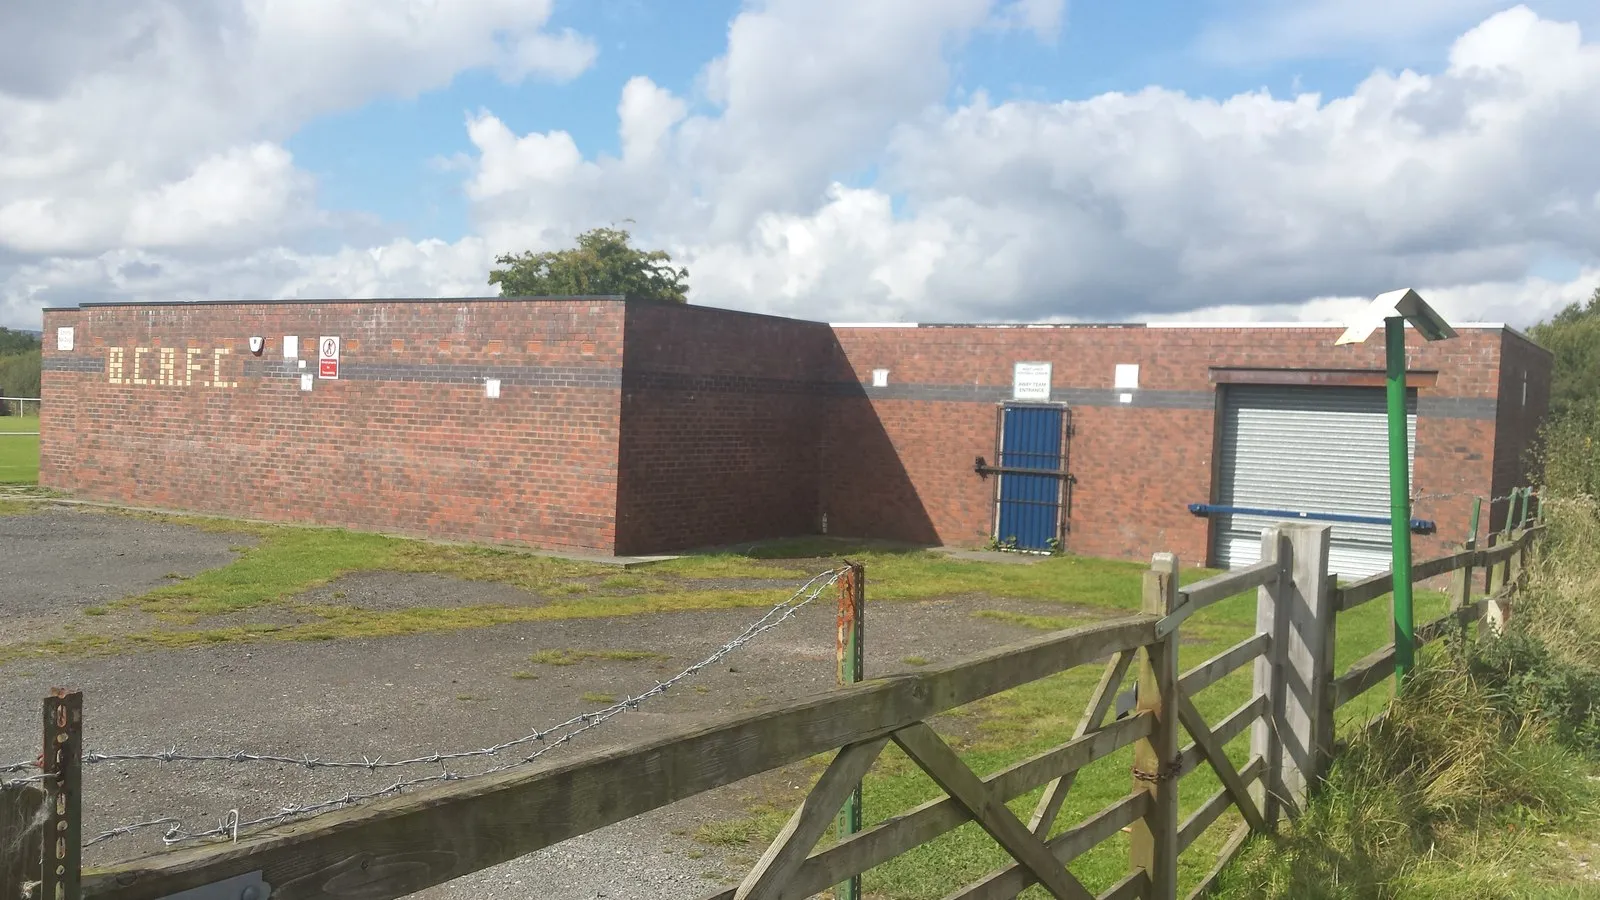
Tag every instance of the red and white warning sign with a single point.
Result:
(328, 357)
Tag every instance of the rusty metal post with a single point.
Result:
(63, 785)
(849, 651)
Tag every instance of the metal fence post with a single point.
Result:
(63, 784)
(850, 652)
(1463, 586)
(1154, 839)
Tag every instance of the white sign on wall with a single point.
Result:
(305, 380)
(880, 377)
(328, 357)
(291, 346)
(64, 338)
(1126, 376)
(1031, 381)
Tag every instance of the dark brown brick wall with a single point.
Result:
(1138, 465)
(405, 441)
(1516, 426)
(721, 427)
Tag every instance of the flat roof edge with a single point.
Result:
(303, 301)
(1495, 326)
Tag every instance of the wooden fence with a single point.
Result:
(393, 847)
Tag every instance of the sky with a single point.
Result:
(836, 160)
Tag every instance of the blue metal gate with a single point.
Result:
(1032, 440)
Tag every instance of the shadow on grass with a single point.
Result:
(814, 547)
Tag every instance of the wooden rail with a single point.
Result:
(394, 847)
(398, 846)
(1376, 667)
(1223, 664)
(1202, 594)
(1356, 593)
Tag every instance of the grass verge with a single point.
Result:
(1483, 778)
(19, 451)
(574, 657)
(284, 562)
(1019, 723)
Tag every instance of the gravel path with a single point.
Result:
(402, 696)
(58, 561)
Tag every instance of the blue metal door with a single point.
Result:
(1031, 438)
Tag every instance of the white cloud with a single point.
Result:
(1456, 180)
(1144, 204)
(159, 123)
(1042, 17)
(647, 113)
(1254, 32)
(247, 193)
(1518, 302)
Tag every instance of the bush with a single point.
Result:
(1439, 798)
(19, 374)
(1525, 679)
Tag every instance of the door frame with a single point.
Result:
(1063, 476)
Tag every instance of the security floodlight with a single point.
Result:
(1393, 310)
(1402, 304)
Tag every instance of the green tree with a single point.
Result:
(19, 374)
(1573, 337)
(17, 342)
(602, 263)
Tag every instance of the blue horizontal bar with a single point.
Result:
(1420, 526)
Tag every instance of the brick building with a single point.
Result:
(627, 427)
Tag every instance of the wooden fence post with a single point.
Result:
(21, 837)
(1307, 659)
(1154, 843)
(1492, 619)
(1463, 585)
(1295, 738)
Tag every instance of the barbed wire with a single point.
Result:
(1491, 501)
(174, 754)
(549, 738)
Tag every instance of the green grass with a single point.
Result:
(1032, 718)
(574, 657)
(287, 561)
(1443, 797)
(597, 697)
(1482, 779)
(284, 562)
(19, 453)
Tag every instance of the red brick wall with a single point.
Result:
(1137, 466)
(702, 426)
(721, 426)
(405, 441)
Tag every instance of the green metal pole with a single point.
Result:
(1405, 645)
(851, 657)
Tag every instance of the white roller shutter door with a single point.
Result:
(1307, 449)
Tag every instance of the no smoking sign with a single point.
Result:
(328, 357)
